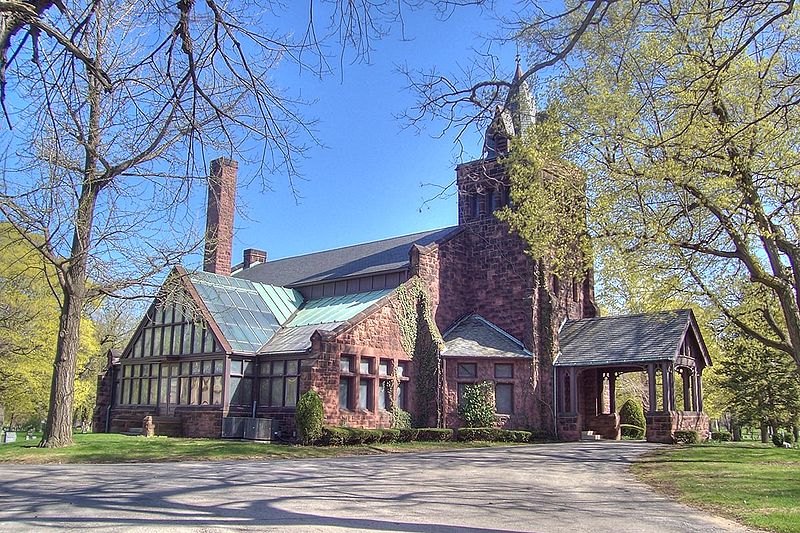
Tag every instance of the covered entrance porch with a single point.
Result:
(595, 352)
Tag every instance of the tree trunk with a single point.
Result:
(58, 430)
(764, 433)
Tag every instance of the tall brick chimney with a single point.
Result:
(219, 216)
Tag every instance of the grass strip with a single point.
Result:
(758, 485)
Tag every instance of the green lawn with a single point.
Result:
(756, 484)
(113, 448)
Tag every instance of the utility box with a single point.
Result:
(240, 427)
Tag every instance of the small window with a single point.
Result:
(504, 398)
(344, 393)
(365, 394)
(384, 367)
(503, 370)
(467, 370)
(461, 388)
(402, 370)
(346, 364)
(365, 367)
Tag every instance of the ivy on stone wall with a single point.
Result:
(422, 342)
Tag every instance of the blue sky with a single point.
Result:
(365, 183)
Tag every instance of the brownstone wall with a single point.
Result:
(607, 426)
(523, 397)
(201, 421)
(375, 333)
(661, 426)
(105, 390)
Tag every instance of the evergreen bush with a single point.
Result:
(686, 437)
(777, 439)
(721, 436)
(493, 435)
(631, 417)
(434, 434)
(477, 405)
(308, 417)
(408, 434)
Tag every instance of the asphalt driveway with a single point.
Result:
(571, 487)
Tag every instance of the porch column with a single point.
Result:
(699, 390)
(573, 390)
(665, 388)
(651, 385)
(688, 392)
(600, 386)
(560, 392)
(612, 392)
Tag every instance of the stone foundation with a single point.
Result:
(607, 425)
(661, 426)
(569, 427)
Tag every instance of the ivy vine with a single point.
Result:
(422, 342)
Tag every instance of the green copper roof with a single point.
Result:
(335, 308)
(248, 313)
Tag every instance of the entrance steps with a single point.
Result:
(590, 435)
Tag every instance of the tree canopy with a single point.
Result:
(29, 310)
(683, 117)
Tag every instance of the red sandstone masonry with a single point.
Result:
(373, 333)
(220, 212)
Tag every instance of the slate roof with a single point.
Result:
(474, 336)
(386, 255)
(296, 339)
(632, 339)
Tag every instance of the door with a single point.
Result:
(168, 395)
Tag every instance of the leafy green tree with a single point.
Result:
(477, 406)
(29, 311)
(759, 385)
(684, 122)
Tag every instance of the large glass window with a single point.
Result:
(242, 371)
(193, 383)
(279, 383)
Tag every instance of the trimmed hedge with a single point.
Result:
(493, 435)
(721, 436)
(342, 436)
(686, 437)
(434, 434)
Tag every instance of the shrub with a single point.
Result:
(309, 416)
(400, 419)
(542, 435)
(686, 437)
(788, 437)
(632, 421)
(477, 405)
(408, 434)
(389, 435)
(493, 434)
(434, 434)
(334, 436)
(720, 436)
(777, 439)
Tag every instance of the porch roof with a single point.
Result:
(621, 340)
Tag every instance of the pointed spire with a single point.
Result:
(518, 116)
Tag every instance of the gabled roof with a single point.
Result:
(474, 336)
(324, 314)
(248, 314)
(387, 255)
(633, 339)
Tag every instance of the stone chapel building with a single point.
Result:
(405, 322)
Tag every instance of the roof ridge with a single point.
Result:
(611, 317)
(434, 230)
